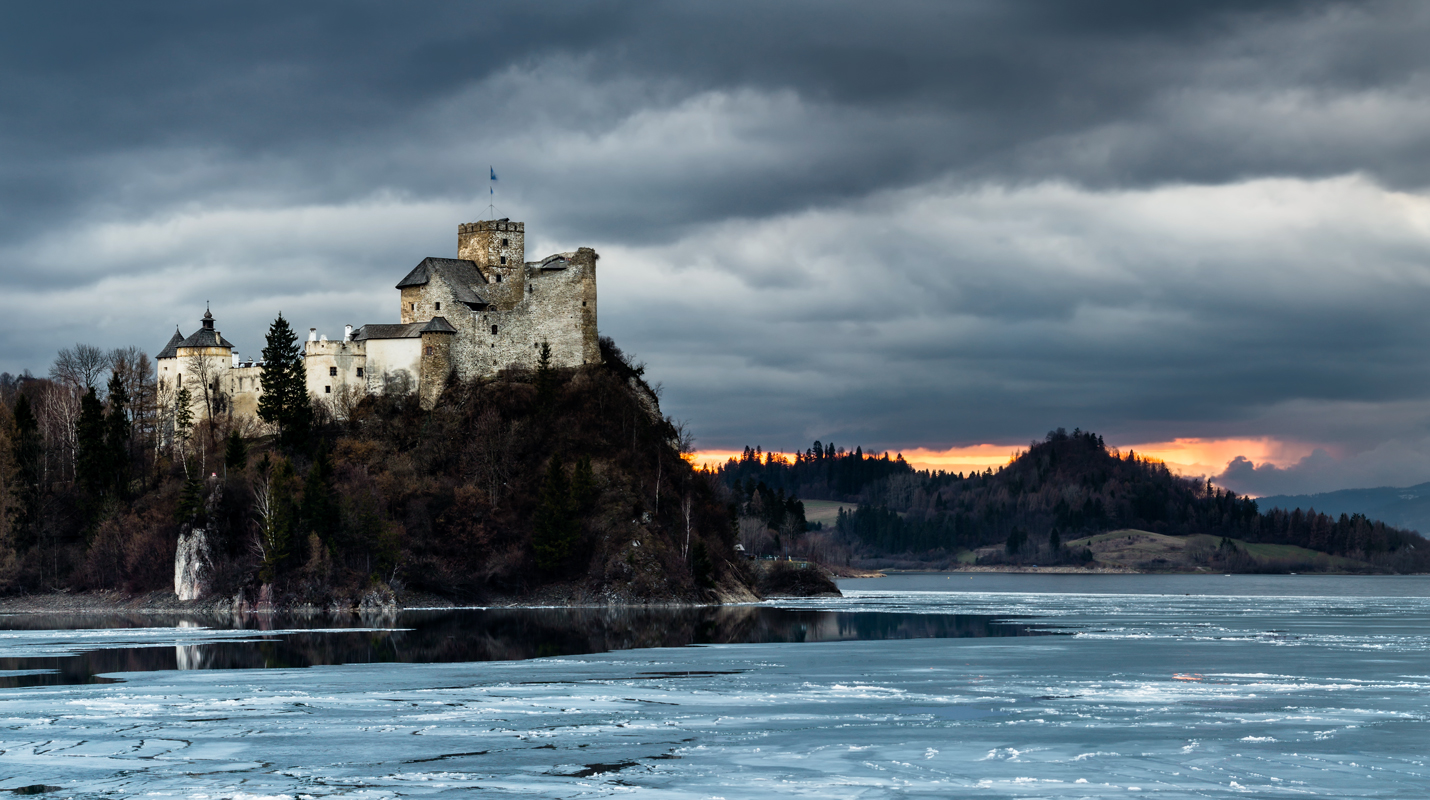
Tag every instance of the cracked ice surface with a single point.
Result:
(1142, 701)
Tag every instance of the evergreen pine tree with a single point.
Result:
(91, 456)
(235, 454)
(116, 435)
(1015, 541)
(584, 490)
(1055, 542)
(27, 449)
(284, 402)
(554, 534)
(545, 378)
(183, 420)
(320, 513)
(701, 569)
(190, 508)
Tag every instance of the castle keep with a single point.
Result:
(486, 310)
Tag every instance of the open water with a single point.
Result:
(914, 685)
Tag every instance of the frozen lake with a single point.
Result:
(937, 686)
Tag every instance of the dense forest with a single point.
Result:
(1068, 486)
(546, 483)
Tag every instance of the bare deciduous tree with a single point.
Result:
(57, 410)
(489, 455)
(685, 507)
(80, 367)
(136, 372)
(202, 374)
(755, 535)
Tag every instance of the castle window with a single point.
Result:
(332, 370)
(439, 306)
(503, 243)
(359, 372)
(494, 330)
(327, 390)
(427, 350)
(414, 306)
(503, 259)
(583, 303)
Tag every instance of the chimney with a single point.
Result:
(347, 333)
(323, 338)
(235, 359)
(312, 334)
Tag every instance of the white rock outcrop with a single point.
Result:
(193, 564)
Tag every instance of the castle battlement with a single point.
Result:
(491, 225)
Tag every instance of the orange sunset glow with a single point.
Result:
(1182, 456)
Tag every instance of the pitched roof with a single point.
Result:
(461, 275)
(558, 261)
(171, 350)
(205, 337)
(438, 325)
(408, 331)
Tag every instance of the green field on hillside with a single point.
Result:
(825, 511)
(1137, 549)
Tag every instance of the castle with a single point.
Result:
(486, 310)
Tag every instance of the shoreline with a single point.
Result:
(159, 603)
(1070, 570)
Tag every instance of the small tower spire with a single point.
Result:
(208, 317)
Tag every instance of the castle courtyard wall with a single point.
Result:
(558, 307)
(334, 368)
(394, 364)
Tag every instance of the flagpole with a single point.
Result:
(492, 193)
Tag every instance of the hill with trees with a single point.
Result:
(553, 485)
(1403, 506)
(1065, 488)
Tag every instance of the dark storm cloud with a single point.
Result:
(902, 223)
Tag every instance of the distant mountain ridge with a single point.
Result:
(1407, 507)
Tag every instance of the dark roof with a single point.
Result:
(558, 261)
(206, 337)
(411, 330)
(438, 325)
(461, 275)
(171, 350)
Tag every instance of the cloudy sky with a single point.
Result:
(1200, 229)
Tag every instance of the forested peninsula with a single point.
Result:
(1068, 501)
(545, 485)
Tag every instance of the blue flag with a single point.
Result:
(494, 172)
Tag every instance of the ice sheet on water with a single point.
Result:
(1159, 711)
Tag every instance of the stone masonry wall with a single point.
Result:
(435, 367)
(245, 387)
(499, 248)
(322, 359)
(558, 307)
